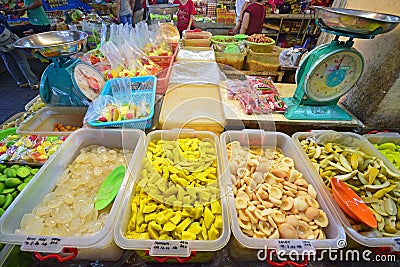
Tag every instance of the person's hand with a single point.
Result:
(236, 28)
(20, 12)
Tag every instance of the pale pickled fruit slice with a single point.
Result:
(110, 187)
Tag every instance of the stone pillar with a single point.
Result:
(375, 101)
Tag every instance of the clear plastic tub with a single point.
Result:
(354, 140)
(381, 138)
(197, 42)
(195, 53)
(42, 122)
(99, 245)
(194, 106)
(246, 248)
(263, 61)
(201, 251)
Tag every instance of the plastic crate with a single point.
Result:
(137, 95)
(263, 61)
(165, 62)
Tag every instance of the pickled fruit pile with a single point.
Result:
(13, 180)
(32, 149)
(391, 151)
(272, 198)
(69, 209)
(368, 176)
(177, 196)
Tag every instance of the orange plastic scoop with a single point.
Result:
(352, 204)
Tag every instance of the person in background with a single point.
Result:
(124, 11)
(240, 5)
(145, 10)
(253, 18)
(137, 11)
(15, 59)
(38, 20)
(185, 15)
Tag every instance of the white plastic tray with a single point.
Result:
(351, 139)
(334, 231)
(125, 212)
(45, 181)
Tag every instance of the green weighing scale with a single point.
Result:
(67, 81)
(331, 70)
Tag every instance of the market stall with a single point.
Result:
(149, 149)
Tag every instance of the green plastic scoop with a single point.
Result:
(110, 187)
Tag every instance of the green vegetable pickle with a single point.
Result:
(391, 151)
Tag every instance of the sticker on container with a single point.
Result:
(397, 244)
(46, 244)
(170, 248)
(288, 246)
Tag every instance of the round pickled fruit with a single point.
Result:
(86, 209)
(96, 161)
(101, 150)
(97, 171)
(42, 210)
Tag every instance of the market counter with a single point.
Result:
(215, 28)
(237, 119)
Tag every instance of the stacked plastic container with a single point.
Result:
(358, 142)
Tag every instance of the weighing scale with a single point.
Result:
(67, 81)
(331, 70)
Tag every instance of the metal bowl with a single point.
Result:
(355, 21)
(163, 9)
(54, 43)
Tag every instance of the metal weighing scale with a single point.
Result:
(67, 81)
(331, 70)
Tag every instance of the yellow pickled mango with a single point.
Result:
(191, 191)
(165, 237)
(198, 212)
(188, 212)
(164, 216)
(199, 237)
(134, 208)
(177, 203)
(150, 217)
(136, 200)
(208, 217)
(212, 176)
(213, 233)
(142, 228)
(194, 228)
(181, 192)
(173, 177)
(181, 174)
(186, 200)
(155, 226)
(201, 177)
(144, 236)
(204, 195)
(149, 208)
(172, 190)
(132, 224)
(169, 226)
(177, 218)
(218, 223)
(204, 231)
(212, 170)
(216, 207)
(188, 236)
(172, 169)
(182, 181)
(165, 172)
(153, 233)
(152, 145)
(133, 235)
(149, 155)
(162, 185)
(139, 218)
(183, 225)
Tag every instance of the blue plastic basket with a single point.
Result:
(143, 86)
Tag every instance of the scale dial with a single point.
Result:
(333, 75)
(88, 79)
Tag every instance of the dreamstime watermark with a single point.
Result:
(330, 254)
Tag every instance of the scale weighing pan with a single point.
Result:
(67, 81)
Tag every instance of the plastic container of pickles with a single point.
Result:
(196, 250)
(243, 247)
(381, 138)
(364, 236)
(98, 245)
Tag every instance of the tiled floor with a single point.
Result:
(12, 98)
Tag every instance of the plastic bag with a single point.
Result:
(96, 108)
(111, 52)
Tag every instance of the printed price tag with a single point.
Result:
(288, 246)
(397, 244)
(42, 244)
(170, 248)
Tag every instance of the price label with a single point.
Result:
(397, 244)
(42, 244)
(288, 246)
(170, 248)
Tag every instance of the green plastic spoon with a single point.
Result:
(110, 187)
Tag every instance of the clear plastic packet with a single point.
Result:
(121, 91)
(96, 108)
(111, 52)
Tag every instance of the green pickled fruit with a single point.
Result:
(8, 191)
(2, 167)
(15, 166)
(34, 171)
(9, 199)
(2, 211)
(28, 179)
(2, 186)
(21, 187)
(23, 172)
(3, 178)
(15, 194)
(2, 200)
(12, 182)
(10, 172)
